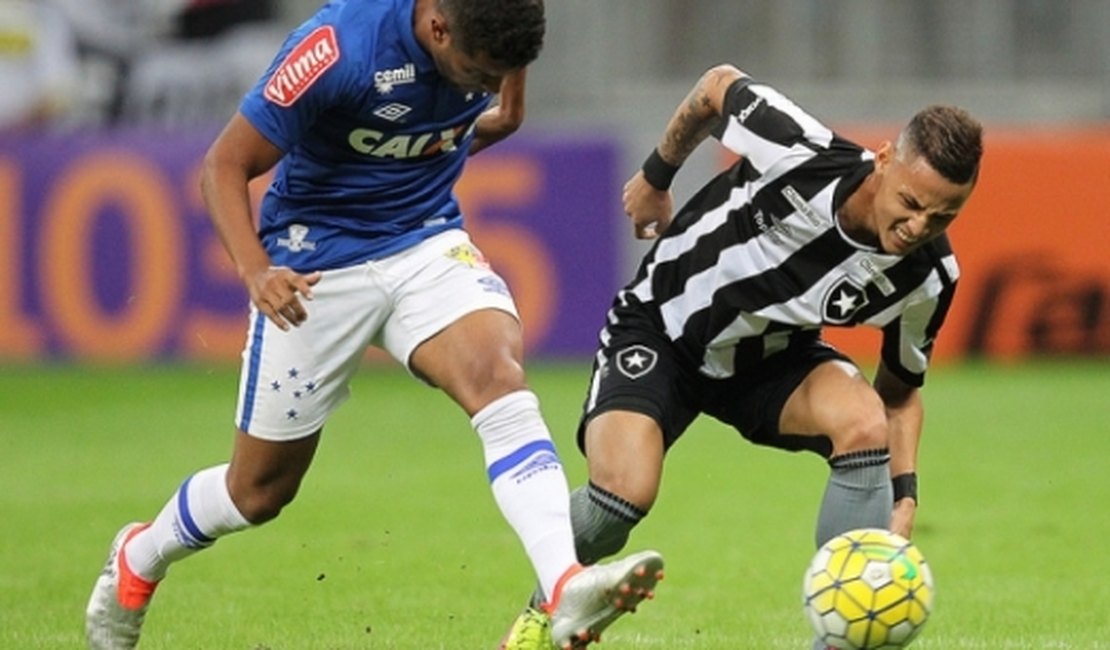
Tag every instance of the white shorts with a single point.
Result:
(290, 382)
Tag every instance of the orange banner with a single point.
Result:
(1033, 245)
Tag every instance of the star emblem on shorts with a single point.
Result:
(636, 361)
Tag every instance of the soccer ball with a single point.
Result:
(868, 589)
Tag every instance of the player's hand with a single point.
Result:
(277, 292)
(901, 520)
(650, 209)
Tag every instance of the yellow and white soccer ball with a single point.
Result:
(868, 589)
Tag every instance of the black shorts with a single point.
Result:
(641, 370)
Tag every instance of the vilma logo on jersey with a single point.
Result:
(310, 59)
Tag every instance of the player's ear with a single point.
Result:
(441, 31)
(884, 155)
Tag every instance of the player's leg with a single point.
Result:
(635, 407)
(640, 400)
(624, 453)
(287, 391)
(836, 401)
(261, 479)
(204, 508)
(476, 361)
(812, 398)
(455, 326)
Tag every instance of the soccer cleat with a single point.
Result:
(117, 607)
(530, 631)
(589, 599)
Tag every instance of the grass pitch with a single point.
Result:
(395, 542)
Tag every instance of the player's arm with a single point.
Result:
(647, 198)
(239, 154)
(905, 416)
(503, 118)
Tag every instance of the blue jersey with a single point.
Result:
(374, 138)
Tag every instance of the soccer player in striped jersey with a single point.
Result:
(724, 316)
(371, 108)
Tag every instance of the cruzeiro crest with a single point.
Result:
(635, 361)
(843, 301)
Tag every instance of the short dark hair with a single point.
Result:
(508, 31)
(949, 139)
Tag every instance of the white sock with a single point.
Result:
(528, 482)
(198, 513)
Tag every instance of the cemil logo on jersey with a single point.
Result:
(310, 59)
(385, 80)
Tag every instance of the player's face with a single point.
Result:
(913, 202)
(470, 73)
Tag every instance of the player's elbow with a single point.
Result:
(720, 77)
(723, 71)
(714, 84)
(510, 118)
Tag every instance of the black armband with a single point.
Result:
(905, 485)
(658, 172)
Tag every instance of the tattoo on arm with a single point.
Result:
(692, 123)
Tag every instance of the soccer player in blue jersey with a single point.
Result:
(369, 112)
(806, 230)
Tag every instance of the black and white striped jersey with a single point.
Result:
(757, 256)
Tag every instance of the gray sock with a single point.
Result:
(602, 522)
(858, 494)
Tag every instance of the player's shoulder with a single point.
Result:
(365, 16)
(942, 257)
(361, 26)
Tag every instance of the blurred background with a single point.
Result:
(108, 106)
(107, 258)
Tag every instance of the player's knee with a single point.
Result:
(490, 381)
(867, 430)
(505, 375)
(261, 503)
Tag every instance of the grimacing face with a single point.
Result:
(913, 202)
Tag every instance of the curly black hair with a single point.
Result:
(949, 139)
(507, 31)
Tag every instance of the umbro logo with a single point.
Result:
(392, 111)
(636, 361)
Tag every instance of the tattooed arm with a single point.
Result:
(650, 208)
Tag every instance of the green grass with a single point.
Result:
(395, 543)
